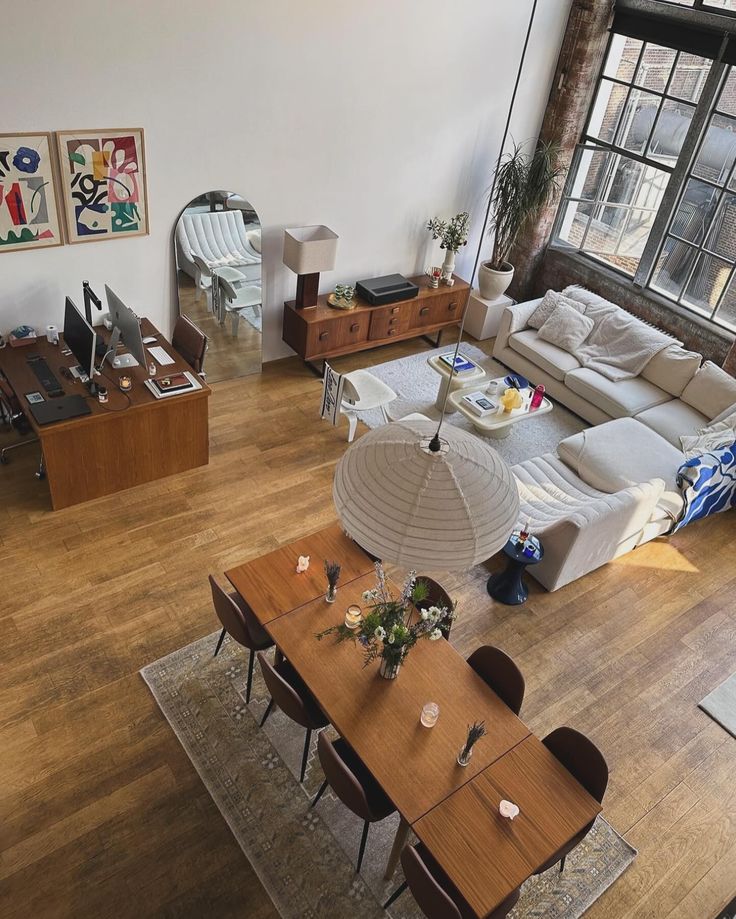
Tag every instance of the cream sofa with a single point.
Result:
(612, 487)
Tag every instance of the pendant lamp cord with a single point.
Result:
(435, 443)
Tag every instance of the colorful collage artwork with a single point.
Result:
(29, 217)
(103, 184)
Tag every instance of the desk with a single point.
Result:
(271, 586)
(132, 439)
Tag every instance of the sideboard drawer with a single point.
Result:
(340, 332)
(429, 311)
(389, 321)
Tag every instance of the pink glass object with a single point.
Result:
(508, 809)
(430, 714)
(537, 398)
(302, 563)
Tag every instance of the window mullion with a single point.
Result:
(679, 174)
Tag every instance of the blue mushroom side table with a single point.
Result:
(508, 586)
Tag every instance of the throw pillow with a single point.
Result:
(672, 369)
(549, 303)
(254, 238)
(713, 436)
(566, 328)
(582, 295)
(710, 391)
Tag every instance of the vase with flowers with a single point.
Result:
(392, 625)
(332, 570)
(453, 234)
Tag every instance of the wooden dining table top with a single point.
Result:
(488, 856)
(379, 718)
(271, 586)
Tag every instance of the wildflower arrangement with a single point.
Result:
(392, 625)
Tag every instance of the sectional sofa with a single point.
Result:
(613, 486)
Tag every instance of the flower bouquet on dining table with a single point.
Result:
(393, 625)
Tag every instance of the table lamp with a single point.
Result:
(308, 251)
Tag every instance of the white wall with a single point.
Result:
(369, 117)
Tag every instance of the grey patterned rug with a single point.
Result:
(305, 858)
(416, 386)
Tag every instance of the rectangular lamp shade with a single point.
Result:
(308, 250)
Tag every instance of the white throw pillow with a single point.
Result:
(254, 238)
(713, 436)
(549, 303)
(672, 369)
(711, 390)
(566, 328)
(584, 296)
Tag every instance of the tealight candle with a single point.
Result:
(353, 617)
(125, 383)
(430, 714)
(508, 809)
(302, 563)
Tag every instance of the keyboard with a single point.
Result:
(161, 356)
(45, 376)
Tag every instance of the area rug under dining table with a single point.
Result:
(305, 857)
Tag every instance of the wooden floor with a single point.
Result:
(103, 815)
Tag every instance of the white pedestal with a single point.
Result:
(483, 317)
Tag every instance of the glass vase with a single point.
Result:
(331, 594)
(389, 668)
(463, 757)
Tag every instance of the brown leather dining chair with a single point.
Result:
(580, 756)
(501, 674)
(353, 784)
(293, 697)
(239, 621)
(434, 892)
(437, 596)
(191, 342)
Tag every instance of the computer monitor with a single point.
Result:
(80, 338)
(129, 330)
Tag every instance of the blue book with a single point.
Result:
(462, 363)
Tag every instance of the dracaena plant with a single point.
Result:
(524, 184)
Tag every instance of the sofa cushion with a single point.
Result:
(548, 357)
(566, 327)
(672, 369)
(714, 436)
(621, 453)
(673, 419)
(621, 398)
(547, 305)
(711, 391)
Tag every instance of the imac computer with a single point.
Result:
(80, 338)
(126, 328)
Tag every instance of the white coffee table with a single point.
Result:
(459, 380)
(500, 423)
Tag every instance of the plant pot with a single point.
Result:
(493, 284)
(389, 669)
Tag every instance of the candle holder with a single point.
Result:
(302, 563)
(353, 617)
(430, 714)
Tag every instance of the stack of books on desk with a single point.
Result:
(173, 384)
(480, 404)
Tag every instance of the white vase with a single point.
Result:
(448, 266)
(493, 284)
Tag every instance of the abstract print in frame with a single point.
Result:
(103, 181)
(29, 213)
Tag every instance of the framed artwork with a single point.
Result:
(103, 183)
(29, 213)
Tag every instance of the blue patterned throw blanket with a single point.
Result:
(708, 484)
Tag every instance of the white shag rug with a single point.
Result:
(416, 386)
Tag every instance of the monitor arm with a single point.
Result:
(90, 297)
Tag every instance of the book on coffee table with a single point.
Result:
(462, 364)
(480, 404)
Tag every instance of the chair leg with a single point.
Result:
(363, 840)
(319, 794)
(249, 684)
(307, 740)
(352, 425)
(562, 863)
(266, 713)
(395, 895)
(219, 642)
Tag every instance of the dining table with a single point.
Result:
(452, 809)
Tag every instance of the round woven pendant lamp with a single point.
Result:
(424, 508)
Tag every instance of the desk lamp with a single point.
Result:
(308, 251)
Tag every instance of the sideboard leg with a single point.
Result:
(317, 371)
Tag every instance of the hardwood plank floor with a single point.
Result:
(103, 815)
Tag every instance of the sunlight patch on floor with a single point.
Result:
(661, 555)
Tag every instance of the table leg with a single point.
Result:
(508, 587)
(402, 834)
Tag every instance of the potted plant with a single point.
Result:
(523, 185)
(391, 625)
(453, 234)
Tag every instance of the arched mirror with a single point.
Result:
(217, 247)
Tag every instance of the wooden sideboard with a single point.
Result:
(317, 332)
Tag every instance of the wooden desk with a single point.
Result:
(132, 439)
(487, 856)
(415, 766)
(271, 586)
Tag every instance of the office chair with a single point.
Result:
(13, 417)
(191, 343)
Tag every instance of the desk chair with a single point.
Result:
(353, 784)
(191, 343)
(436, 895)
(14, 417)
(584, 760)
